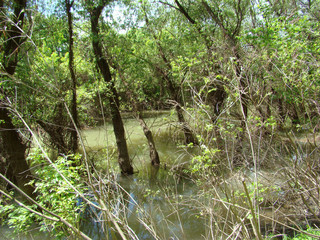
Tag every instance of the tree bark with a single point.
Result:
(14, 152)
(13, 148)
(74, 112)
(154, 156)
(123, 159)
(14, 38)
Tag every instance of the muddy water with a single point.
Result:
(101, 140)
(163, 204)
(153, 191)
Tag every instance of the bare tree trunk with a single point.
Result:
(13, 148)
(74, 112)
(154, 156)
(14, 152)
(124, 160)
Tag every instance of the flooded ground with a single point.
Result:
(101, 140)
(157, 201)
(154, 191)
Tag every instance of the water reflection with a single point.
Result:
(151, 207)
(7, 233)
(153, 202)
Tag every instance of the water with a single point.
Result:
(101, 140)
(154, 195)
(153, 189)
(7, 233)
(161, 203)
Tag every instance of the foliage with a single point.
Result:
(55, 186)
(204, 164)
(302, 236)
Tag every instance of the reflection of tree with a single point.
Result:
(153, 178)
(90, 223)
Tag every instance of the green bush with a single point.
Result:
(53, 191)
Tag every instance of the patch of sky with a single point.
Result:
(122, 16)
(48, 7)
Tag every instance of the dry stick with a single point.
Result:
(90, 183)
(121, 207)
(304, 200)
(54, 166)
(256, 192)
(110, 215)
(32, 42)
(253, 212)
(238, 226)
(235, 213)
(87, 167)
(113, 217)
(149, 228)
(269, 218)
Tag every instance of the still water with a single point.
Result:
(101, 139)
(165, 198)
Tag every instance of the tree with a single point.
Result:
(74, 111)
(137, 110)
(114, 104)
(53, 60)
(174, 90)
(13, 148)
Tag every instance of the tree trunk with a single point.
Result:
(13, 148)
(124, 160)
(188, 135)
(14, 152)
(74, 112)
(14, 38)
(154, 156)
